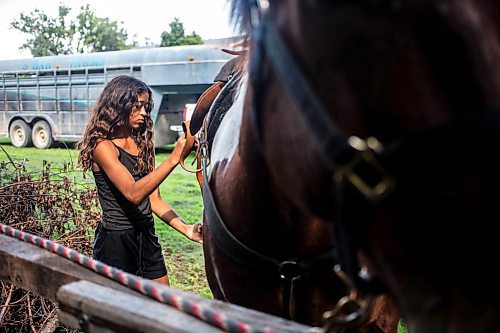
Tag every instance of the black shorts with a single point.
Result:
(131, 250)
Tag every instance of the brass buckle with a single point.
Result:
(366, 149)
(350, 312)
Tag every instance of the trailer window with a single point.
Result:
(77, 72)
(96, 71)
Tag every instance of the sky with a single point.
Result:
(143, 18)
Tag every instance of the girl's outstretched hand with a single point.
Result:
(194, 232)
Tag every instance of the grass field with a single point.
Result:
(181, 190)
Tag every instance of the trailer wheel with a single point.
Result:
(42, 135)
(20, 134)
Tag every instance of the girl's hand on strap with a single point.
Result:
(179, 146)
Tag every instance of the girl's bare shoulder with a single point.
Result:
(105, 146)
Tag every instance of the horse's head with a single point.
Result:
(380, 117)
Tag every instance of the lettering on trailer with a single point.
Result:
(87, 63)
(37, 66)
(77, 63)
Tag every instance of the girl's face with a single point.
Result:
(139, 112)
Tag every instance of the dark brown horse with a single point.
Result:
(379, 119)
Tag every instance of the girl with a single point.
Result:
(117, 145)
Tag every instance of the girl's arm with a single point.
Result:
(167, 214)
(106, 156)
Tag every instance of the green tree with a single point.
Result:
(59, 35)
(98, 34)
(48, 35)
(177, 36)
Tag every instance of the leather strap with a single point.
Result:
(290, 270)
(194, 125)
(203, 106)
(191, 142)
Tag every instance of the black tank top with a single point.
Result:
(117, 212)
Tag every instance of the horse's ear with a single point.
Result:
(234, 52)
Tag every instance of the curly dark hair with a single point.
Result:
(112, 110)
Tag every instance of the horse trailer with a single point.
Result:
(47, 99)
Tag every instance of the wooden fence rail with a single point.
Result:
(93, 303)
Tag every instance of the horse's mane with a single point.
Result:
(240, 16)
